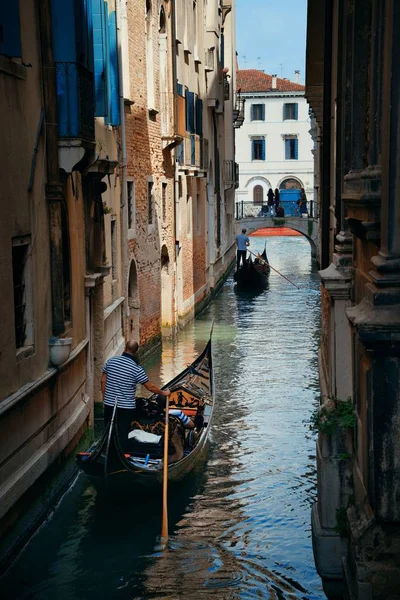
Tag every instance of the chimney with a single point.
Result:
(297, 76)
(273, 84)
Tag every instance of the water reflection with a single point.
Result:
(240, 527)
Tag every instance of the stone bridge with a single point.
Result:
(309, 227)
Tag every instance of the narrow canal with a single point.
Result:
(240, 527)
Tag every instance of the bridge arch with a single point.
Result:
(307, 227)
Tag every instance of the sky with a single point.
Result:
(271, 36)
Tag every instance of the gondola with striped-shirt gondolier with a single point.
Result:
(121, 374)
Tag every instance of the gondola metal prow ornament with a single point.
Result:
(276, 270)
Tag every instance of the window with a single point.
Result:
(258, 194)
(105, 52)
(66, 262)
(258, 148)
(150, 186)
(10, 36)
(164, 199)
(149, 56)
(258, 112)
(198, 214)
(291, 111)
(291, 148)
(22, 285)
(114, 251)
(131, 204)
(189, 210)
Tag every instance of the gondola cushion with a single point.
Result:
(144, 437)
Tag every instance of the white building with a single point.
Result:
(274, 146)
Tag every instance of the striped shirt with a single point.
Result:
(123, 373)
(175, 412)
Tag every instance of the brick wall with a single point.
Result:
(146, 159)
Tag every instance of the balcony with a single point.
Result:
(75, 101)
(192, 154)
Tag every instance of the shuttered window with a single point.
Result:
(257, 112)
(258, 148)
(113, 82)
(10, 33)
(291, 111)
(100, 58)
(199, 116)
(190, 118)
(291, 149)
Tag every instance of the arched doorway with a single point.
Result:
(167, 292)
(133, 303)
(289, 193)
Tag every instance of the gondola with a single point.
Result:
(254, 274)
(192, 391)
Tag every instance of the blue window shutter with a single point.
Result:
(253, 150)
(263, 149)
(99, 53)
(263, 112)
(199, 116)
(296, 149)
(296, 111)
(10, 33)
(287, 149)
(285, 112)
(187, 108)
(179, 89)
(113, 82)
(190, 112)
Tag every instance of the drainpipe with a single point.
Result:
(54, 195)
(124, 193)
(176, 176)
(326, 140)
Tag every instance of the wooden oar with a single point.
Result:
(276, 270)
(164, 527)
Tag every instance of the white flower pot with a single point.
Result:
(60, 349)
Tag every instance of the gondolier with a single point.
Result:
(121, 374)
(242, 241)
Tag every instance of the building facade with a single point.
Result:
(118, 197)
(274, 146)
(352, 86)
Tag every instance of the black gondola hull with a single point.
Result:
(108, 466)
(253, 275)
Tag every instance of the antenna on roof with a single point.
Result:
(258, 62)
(244, 60)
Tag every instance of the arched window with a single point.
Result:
(290, 184)
(258, 194)
(162, 24)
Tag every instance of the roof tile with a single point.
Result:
(252, 80)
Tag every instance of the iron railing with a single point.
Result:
(75, 101)
(245, 209)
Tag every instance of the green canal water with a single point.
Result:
(240, 526)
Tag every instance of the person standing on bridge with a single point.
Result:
(277, 199)
(242, 241)
(271, 202)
